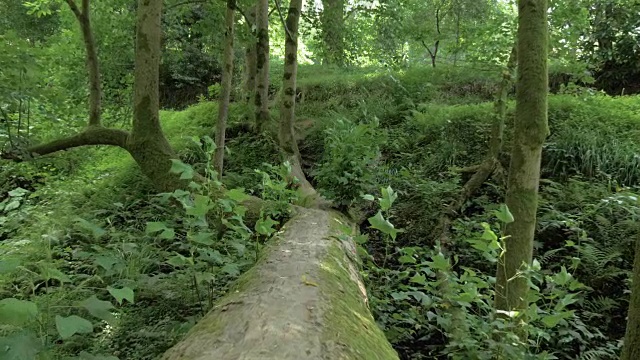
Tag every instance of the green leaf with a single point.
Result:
(231, 269)
(201, 206)
(106, 262)
(562, 278)
(18, 192)
(155, 226)
(379, 222)
(24, 346)
(99, 308)
(421, 297)
(121, 294)
(265, 226)
(504, 215)
(368, 197)
(179, 260)
(388, 197)
(399, 296)
(406, 259)
(439, 262)
(12, 205)
(17, 312)
(168, 234)
(178, 167)
(71, 325)
(203, 238)
(552, 320)
(419, 279)
(237, 195)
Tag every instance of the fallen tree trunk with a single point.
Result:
(303, 300)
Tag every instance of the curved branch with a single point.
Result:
(93, 135)
(284, 23)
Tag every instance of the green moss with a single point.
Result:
(350, 331)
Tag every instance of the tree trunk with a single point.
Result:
(286, 135)
(95, 89)
(530, 131)
(304, 300)
(332, 21)
(147, 143)
(227, 75)
(250, 60)
(262, 65)
(631, 349)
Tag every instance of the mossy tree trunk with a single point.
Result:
(631, 349)
(250, 60)
(332, 21)
(286, 133)
(304, 299)
(262, 64)
(146, 142)
(530, 132)
(227, 76)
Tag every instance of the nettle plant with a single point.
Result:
(411, 300)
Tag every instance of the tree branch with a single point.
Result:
(284, 23)
(74, 9)
(92, 135)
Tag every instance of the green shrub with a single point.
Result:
(351, 151)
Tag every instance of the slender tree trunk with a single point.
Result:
(250, 60)
(530, 131)
(227, 75)
(332, 21)
(262, 65)
(288, 97)
(95, 89)
(631, 349)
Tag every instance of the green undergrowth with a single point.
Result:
(411, 129)
(87, 220)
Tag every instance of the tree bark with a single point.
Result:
(332, 21)
(304, 300)
(262, 65)
(227, 75)
(147, 143)
(95, 89)
(631, 349)
(250, 62)
(530, 132)
(286, 134)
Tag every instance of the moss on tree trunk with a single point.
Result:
(227, 75)
(303, 300)
(530, 132)
(261, 99)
